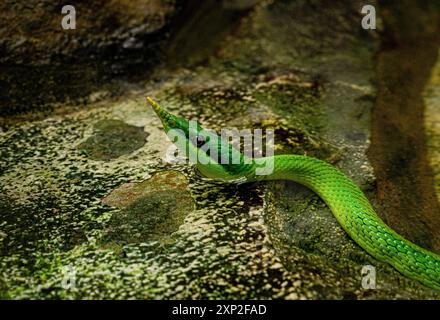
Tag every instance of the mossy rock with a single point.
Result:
(112, 139)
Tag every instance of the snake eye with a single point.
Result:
(200, 140)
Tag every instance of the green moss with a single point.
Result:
(295, 103)
(39, 226)
(155, 217)
(151, 210)
(112, 139)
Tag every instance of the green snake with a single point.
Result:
(347, 202)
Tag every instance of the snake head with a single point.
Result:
(213, 155)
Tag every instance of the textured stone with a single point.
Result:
(134, 226)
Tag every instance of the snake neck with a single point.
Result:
(339, 192)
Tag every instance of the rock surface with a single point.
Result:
(45, 65)
(81, 217)
(432, 122)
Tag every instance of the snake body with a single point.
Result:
(355, 214)
(347, 202)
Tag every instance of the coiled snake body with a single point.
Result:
(347, 202)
